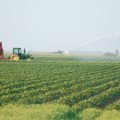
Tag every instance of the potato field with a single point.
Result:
(79, 85)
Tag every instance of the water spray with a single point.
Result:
(99, 38)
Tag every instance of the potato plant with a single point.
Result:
(78, 84)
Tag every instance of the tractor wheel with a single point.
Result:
(29, 59)
(15, 58)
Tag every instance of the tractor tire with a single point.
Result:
(15, 58)
(28, 59)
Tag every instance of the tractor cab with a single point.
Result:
(17, 51)
(19, 54)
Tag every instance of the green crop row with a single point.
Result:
(99, 100)
(77, 84)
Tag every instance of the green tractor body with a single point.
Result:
(22, 54)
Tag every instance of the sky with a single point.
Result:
(49, 25)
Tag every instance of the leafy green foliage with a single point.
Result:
(54, 112)
(114, 105)
(90, 114)
(77, 84)
(37, 112)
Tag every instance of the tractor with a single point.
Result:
(19, 54)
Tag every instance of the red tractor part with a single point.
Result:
(1, 51)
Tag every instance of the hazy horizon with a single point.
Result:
(66, 25)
